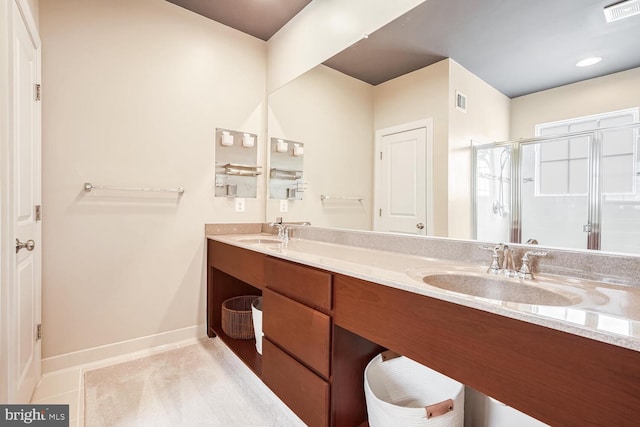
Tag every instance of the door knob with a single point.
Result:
(28, 245)
(419, 226)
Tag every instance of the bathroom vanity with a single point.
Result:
(349, 303)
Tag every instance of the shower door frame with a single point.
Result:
(594, 193)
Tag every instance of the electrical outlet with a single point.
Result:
(284, 205)
(239, 204)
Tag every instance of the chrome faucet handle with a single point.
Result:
(525, 270)
(494, 268)
(508, 266)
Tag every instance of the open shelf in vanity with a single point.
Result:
(223, 282)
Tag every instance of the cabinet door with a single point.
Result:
(300, 330)
(304, 284)
(300, 389)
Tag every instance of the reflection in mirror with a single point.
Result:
(577, 190)
(332, 113)
(285, 170)
(337, 117)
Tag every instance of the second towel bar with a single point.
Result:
(88, 187)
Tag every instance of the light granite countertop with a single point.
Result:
(603, 311)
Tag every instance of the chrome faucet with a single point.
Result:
(283, 231)
(507, 267)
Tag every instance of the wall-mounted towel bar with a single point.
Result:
(88, 187)
(285, 174)
(354, 198)
(240, 169)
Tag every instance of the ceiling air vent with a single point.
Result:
(622, 10)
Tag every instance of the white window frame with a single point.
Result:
(539, 128)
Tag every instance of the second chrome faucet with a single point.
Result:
(505, 265)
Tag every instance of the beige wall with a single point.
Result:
(600, 95)
(332, 114)
(133, 92)
(415, 96)
(486, 120)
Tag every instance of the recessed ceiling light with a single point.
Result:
(588, 61)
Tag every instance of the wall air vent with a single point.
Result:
(622, 10)
(461, 102)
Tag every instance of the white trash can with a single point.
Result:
(485, 411)
(256, 312)
(402, 392)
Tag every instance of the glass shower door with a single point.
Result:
(554, 191)
(492, 192)
(620, 200)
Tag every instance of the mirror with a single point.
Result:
(285, 169)
(338, 116)
(332, 114)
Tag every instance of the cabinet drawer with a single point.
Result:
(302, 331)
(299, 388)
(304, 284)
(242, 264)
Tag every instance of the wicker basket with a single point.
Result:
(237, 321)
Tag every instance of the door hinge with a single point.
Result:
(381, 155)
(39, 332)
(38, 95)
(379, 212)
(38, 213)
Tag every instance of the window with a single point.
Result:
(562, 164)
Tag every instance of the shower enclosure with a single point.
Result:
(577, 185)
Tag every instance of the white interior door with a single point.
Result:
(403, 179)
(25, 144)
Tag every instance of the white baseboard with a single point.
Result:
(148, 344)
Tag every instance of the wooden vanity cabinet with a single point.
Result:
(323, 328)
(314, 367)
(297, 326)
(559, 378)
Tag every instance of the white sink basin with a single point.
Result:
(260, 240)
(535, 292)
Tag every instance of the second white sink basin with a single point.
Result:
(535, 292)
(501, 289)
